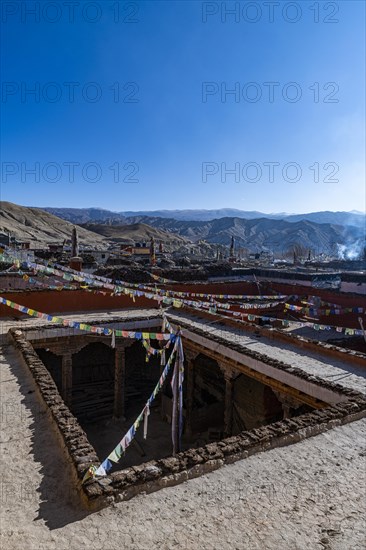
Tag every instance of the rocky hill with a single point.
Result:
(137, 232)
(41, 228)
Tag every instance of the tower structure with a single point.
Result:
(75, 260)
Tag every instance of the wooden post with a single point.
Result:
(66, 375)
(286, 411)
(361, 325)
(119, 382)
(175, 428)
(288, 403)
(190, 390)
(228, 413)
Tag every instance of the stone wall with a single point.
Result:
(156, 474)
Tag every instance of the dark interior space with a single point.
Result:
(252, 403)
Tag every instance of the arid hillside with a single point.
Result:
(40, 227)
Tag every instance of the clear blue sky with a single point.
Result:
(175, 122)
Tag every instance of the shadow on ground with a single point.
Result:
(56, 497)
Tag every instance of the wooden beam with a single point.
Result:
(119, 383)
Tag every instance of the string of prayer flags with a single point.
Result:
(146, 335)
(166, 325)
(285, 323)
(107, 283)
(127, 288)
(91, 279)
(210, 306)
(173, 384)
(329, 311)
(180, 387)
(120, 286)
(154, 351)
(85, 327)
(120, 449)
(259, 306)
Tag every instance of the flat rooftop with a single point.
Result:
(307, 495)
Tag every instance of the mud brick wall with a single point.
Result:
(156, 474)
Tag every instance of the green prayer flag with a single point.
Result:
(114, 456)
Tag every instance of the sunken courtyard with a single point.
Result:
(272, 426)
(237, 402)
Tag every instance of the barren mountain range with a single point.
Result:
(255, 234)
(136, 232)
(277, 235)
(98, 228)
(85, 215)
(37, 226)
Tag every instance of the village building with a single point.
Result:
(208, 384)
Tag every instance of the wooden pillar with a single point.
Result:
(228, 413)
(175, 409)
(286, 411)
(190, 390)
(288, 403)
(119, 382)
(67, 377)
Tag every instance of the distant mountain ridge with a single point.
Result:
(263, 233)
(277, 235)
(85, 215)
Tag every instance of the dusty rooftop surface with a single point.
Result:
(310, 495)
(317, 364)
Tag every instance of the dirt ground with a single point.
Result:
(307, 496)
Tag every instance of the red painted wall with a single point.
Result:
(52, 301)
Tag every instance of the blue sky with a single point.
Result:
(172, 138)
